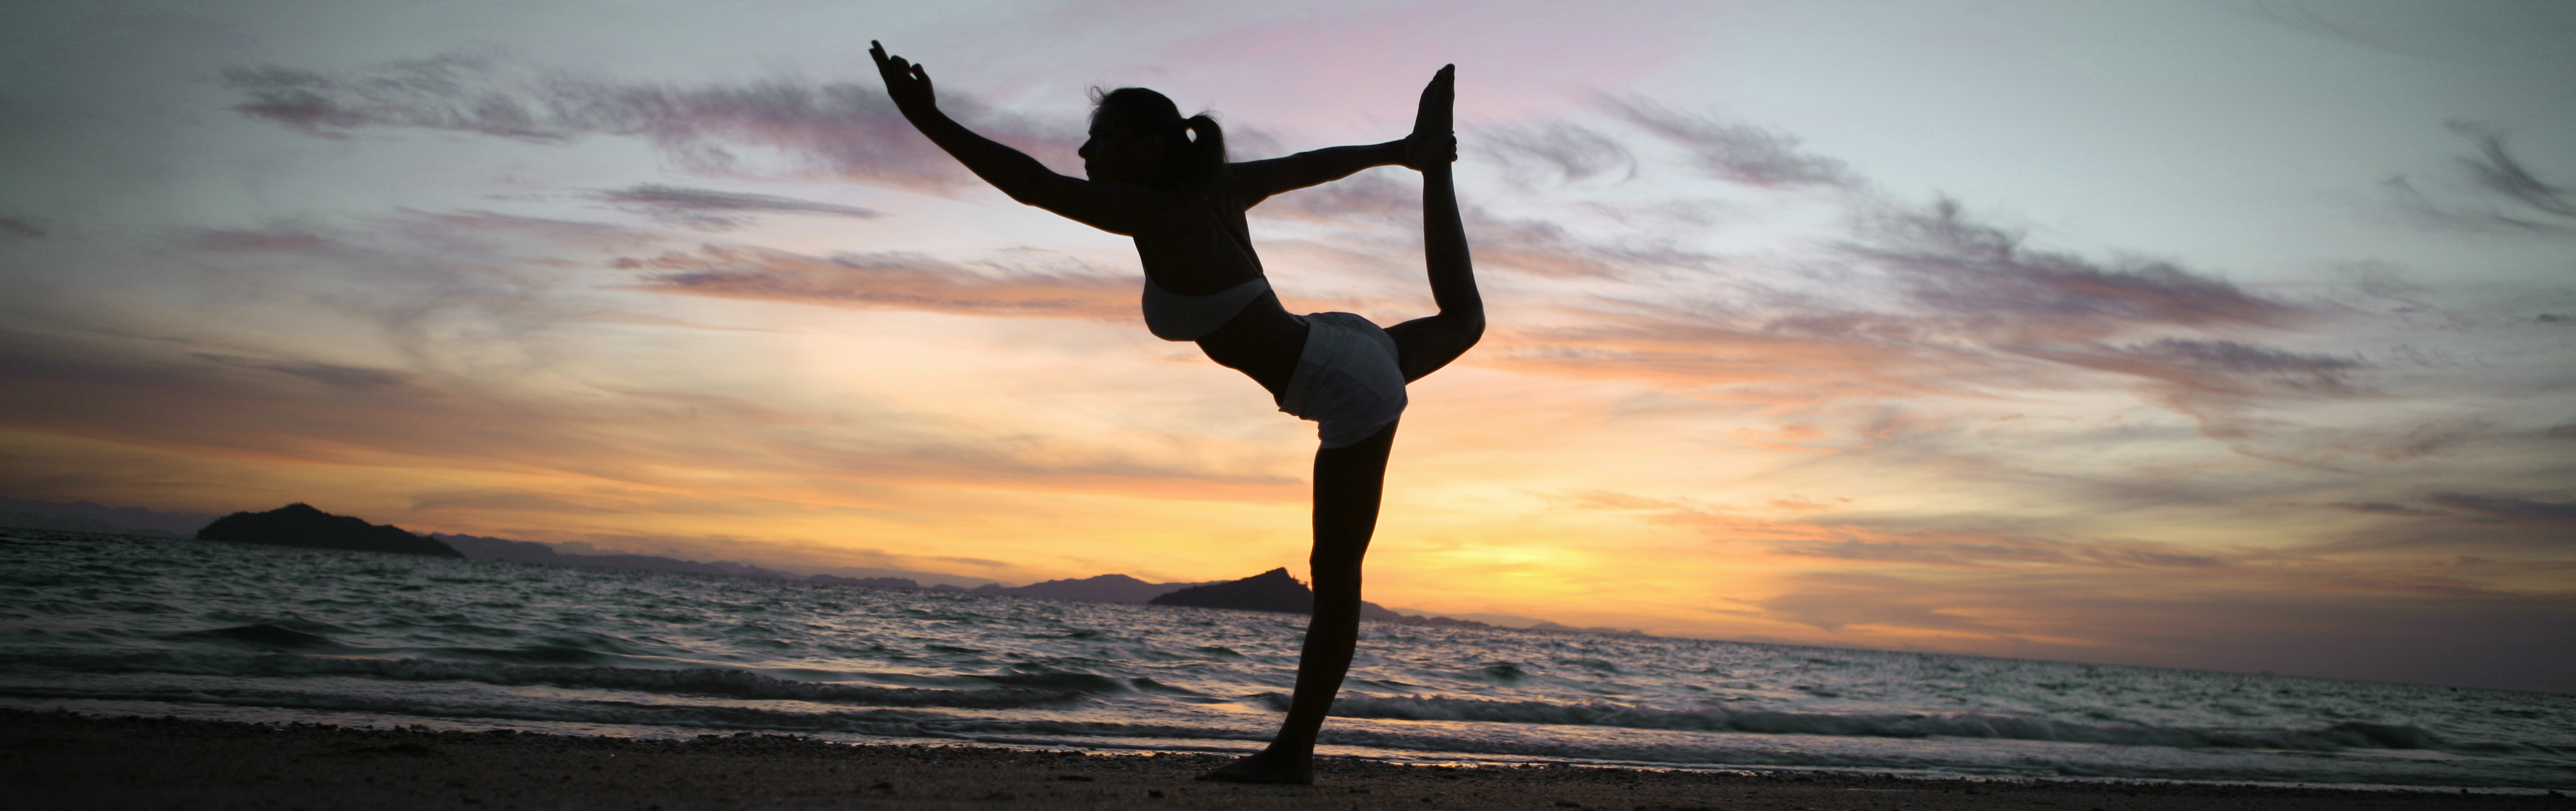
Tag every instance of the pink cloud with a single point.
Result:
(883, 280)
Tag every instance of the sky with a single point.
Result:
(2220, 334)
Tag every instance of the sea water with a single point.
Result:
(116, 625)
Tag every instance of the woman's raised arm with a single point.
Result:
(1258, 180)
(1108, 207)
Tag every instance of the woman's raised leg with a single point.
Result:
(1423, 345)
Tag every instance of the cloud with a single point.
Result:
(2386, 508)
(1560, 151)
(846, 130)
(1974, 272)
(2514, 510)
(1740, 153)
(254, 240)
(2234, 391)
(486, 501)
(2496, 169)
(426, 292)
(1926, 301)
(17, 228)
(905, 281)
(713, 210)
(1998, 552)
(2530, 204)
(1952, 553)
(352, 378)
(1833, 601)
(2222, 367)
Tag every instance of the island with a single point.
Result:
(301, 525)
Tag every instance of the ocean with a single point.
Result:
(115, 625)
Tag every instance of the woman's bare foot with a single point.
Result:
(1267, 766)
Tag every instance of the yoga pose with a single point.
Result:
(1164, 181)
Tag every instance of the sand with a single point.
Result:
(62, 760)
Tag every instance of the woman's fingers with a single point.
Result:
(907, 82)
(895, 68)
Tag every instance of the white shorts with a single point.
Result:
(1347, 380)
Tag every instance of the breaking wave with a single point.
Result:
(2337, 737)
(704, 681)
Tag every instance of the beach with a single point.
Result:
(69, 761)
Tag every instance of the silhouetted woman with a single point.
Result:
(1164, 181)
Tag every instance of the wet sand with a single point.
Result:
(61, 760)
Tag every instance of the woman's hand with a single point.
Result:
(1422, 152)
(908, 83)
(1432, 142)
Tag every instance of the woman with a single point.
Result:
(1164, 181)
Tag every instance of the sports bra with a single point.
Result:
(1175, 317)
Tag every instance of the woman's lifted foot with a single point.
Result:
(1267, 766)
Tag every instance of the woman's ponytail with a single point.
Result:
(1206, 152)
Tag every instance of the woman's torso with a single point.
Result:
(1200, 245)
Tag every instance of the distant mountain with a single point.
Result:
(301, 525)
(126, 520)
(1107, 588)
(1568, 629)
(1272, 590)
(1373, 611)
(1428, 621)
(886, 583)
(1496, 620)
(868, 582)
(482, 548)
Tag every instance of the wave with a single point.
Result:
(2338, 737)
(878, 722)
(706, 681)
(2285, 768)
(263, 636)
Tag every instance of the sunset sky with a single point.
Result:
(2227, 334)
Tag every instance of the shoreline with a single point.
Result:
(67, 760)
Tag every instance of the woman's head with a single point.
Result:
(1139, 136)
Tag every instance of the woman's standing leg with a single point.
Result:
(1348, 484)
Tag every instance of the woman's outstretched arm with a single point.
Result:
(1108, 207)
(1258, 180)
(1428, 343)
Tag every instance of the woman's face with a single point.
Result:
(1116, 155)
